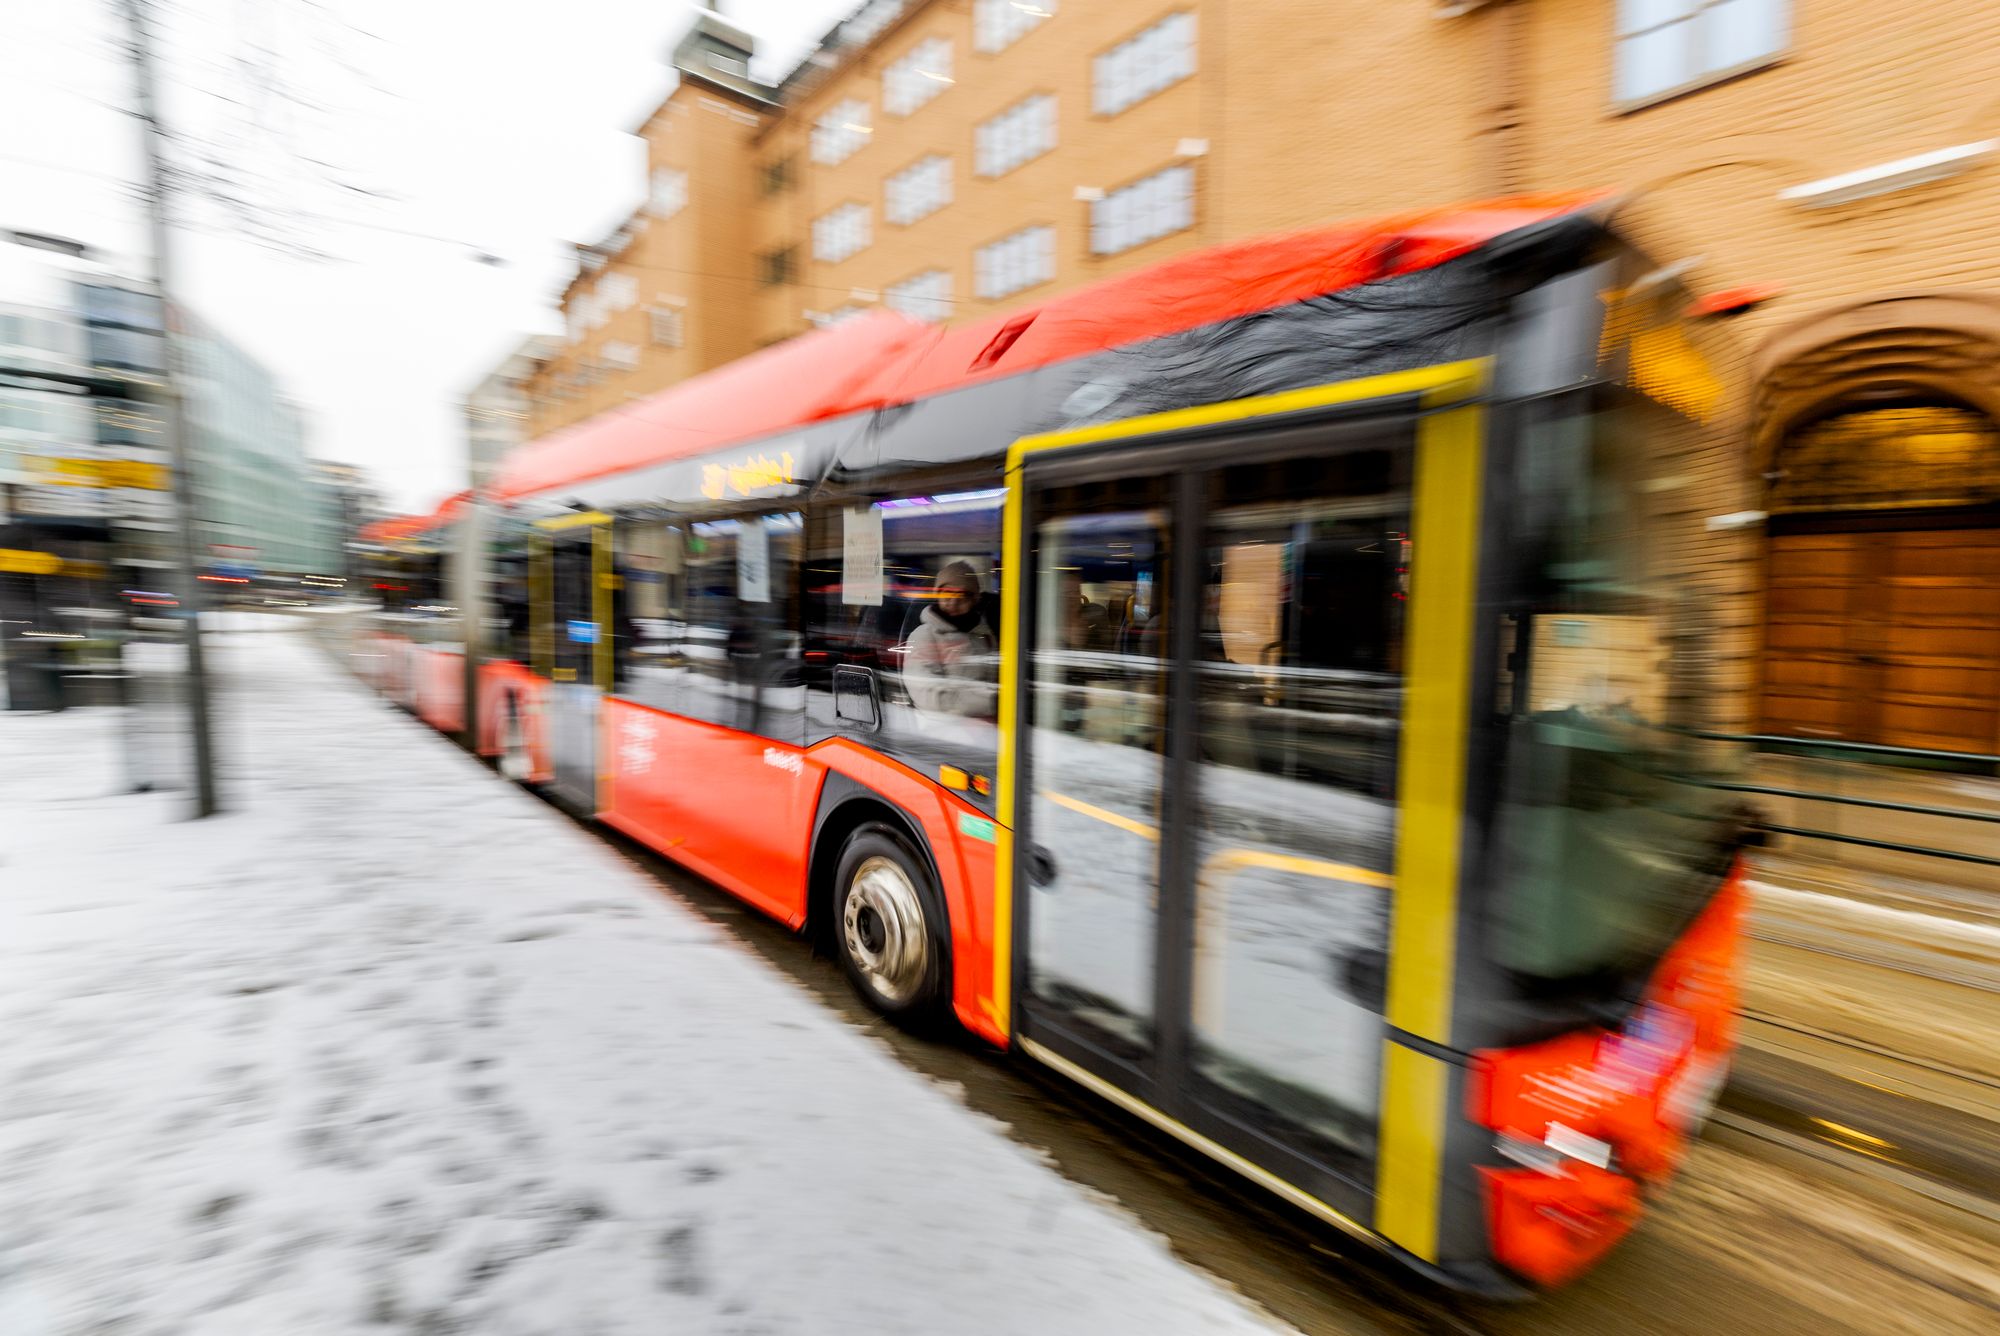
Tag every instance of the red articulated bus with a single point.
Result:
(1265, 687)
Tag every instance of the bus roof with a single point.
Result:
(401, 528)
(883, 359)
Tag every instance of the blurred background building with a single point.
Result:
(257, 510)
(350, 501)
(85, 491)
(1827, 173)
(496, 410)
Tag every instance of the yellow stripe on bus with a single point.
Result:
(1430, 802)
(601, 666)
(1436, 386)
(576, 521)
(1256, 1173)
(1447, 383)
(1013, 543)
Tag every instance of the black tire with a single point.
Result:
(895, 907)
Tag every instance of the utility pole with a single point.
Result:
(138, 23)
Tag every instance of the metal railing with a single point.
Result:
(1907, 758)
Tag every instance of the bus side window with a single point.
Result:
(648, 615)
(918, 628)
(740, 649)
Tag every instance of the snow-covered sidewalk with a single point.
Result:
(394, 1047)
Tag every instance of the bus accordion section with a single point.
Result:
(1262, 687)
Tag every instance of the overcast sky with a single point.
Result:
(403, 138)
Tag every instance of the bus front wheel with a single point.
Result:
(886, 926)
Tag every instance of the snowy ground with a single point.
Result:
(394, 1047)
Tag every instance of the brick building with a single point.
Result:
(953, 157)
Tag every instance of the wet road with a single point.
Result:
(1755, 1237)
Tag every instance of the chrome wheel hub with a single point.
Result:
(882, 926)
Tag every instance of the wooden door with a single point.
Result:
(1936, 650)
(1885, 636)
(1813, 674)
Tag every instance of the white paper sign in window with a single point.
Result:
(753, 562)
(861, 557)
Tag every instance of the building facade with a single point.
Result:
(496, 409)
(1823, 166)
(349, 501)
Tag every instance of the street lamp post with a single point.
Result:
(173, 435)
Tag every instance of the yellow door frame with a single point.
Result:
(1431, 768)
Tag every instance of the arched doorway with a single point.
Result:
(1882, 619)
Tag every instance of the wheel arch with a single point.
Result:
(846, 805)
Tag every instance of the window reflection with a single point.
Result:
(1097, 705)
(903, 647)
(1299, 687)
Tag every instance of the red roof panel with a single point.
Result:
(883, 358)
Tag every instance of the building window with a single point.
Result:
(925, 296)
(1141, 66)
(839, 233)
(778, 175)
(670, 192)
(779, 267)
(923, 73)
(619, 356)
(869, 20)
(1015, 262)
(998, 24)
(615, 293)
(1666, 45)
(840, 131)
(838, 316)
(668, 326)
(1022, 133)
(918, 191)
(1161, 204)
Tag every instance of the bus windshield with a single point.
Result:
(1606, 842)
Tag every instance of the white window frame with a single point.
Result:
(1014, 263)
(615, 292)
(666, 325)
(841, 131)
(842, 231)
(1154, 206)
(619, 355)
(669, 193)
(868, 21)
(925, 296)
(1147, 63)
(1016, 136)
(1635, 21)
(918, 191)
(840, 315)
(919, 75)
(998, 24)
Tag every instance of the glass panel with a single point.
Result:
(1097, 720)
(575, 630)
(1739, 31)
(1654, 61)
(739, 660)
(1602, 845)
(917, 608)
(1639, 15)
(1299, 689)
(650, 613)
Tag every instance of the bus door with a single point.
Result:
(571, 588)
(1208, 715)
